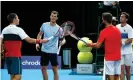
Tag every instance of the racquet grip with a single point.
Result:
(59, 49)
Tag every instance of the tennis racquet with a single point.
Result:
(67, 26)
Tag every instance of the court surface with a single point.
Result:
(35, 74)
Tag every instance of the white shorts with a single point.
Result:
(126, 59)
(112, 67)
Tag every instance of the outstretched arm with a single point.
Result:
(25, 37)
(99, 41)
(95, 45)
(35, 41)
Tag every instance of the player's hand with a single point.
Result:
(123, 43)
(63, 42)
(90, 45)
(2, 53)
(37, 47)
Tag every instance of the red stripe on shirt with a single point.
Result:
(13, 48)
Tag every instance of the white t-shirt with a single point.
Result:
(13, 29)
(126, 32)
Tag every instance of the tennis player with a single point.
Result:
(111, 37)
(12, 37)
(127, 36)
(49, 50)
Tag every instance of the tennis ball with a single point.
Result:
(85, 57)
(82, 46)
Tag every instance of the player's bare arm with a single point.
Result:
(95, 45)
(35, 41)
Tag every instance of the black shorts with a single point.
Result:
(46, 57)
(14, 65)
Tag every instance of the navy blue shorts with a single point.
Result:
(48, 57)
(14, 65)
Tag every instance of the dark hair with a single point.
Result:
(126, 15)
(55, 12)
(107, 17)
(11, 17)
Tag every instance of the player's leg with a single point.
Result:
(54, 62)
(16, 68)
(111, 77)
(17, 77)
(109, 69)
(44, 72)
(12, 77)
(128, 75)
(128, 61)
(117, 70)
(55, 70)
(44, 63)
(106, 77)
(117, 77)
(122, 67)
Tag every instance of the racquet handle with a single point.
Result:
(50, 37)
(59, 50)
(77, 38)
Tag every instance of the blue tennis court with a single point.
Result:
(35, 74)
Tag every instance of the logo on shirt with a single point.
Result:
(124, 35)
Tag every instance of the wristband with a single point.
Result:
(37, 41)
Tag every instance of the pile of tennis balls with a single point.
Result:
(84, 56)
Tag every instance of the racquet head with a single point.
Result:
(68, 27)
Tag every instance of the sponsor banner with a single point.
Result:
(84, 68)
(33, 62)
